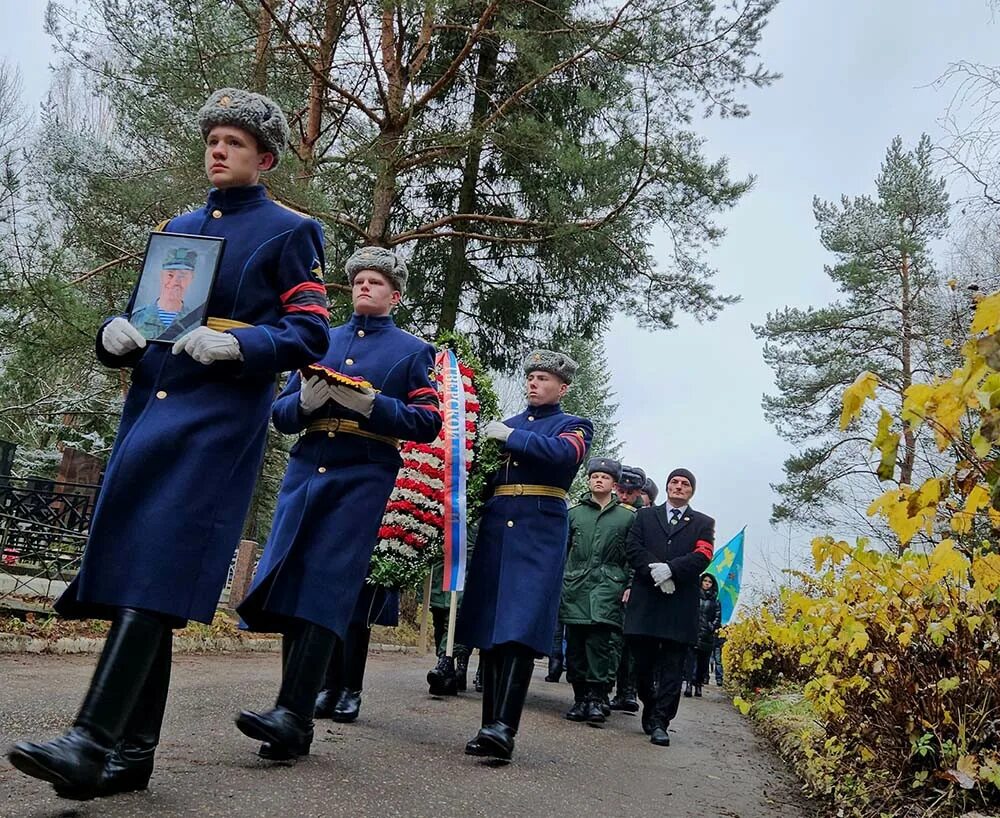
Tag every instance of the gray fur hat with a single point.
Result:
(650, 488)
(546, 360)
(252, 112)
(381, 260)
(632, 478)
(605, 465)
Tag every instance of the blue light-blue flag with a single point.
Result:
(727, 568)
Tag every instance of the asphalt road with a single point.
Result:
(403, 757)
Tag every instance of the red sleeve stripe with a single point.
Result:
(424, 390)
(304, 287)
(578, 444)
(316, 309)
(704, 547)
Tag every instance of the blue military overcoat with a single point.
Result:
(515, 574)
(179, 481)
(337, 485)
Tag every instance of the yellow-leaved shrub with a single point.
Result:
(898, 655)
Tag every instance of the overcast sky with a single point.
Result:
(856, 73)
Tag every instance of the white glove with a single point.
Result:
(659, 571)
(360, 401)
(497, 431)
(119, 337)
(313, 393)
(667, 586)
(208, 345)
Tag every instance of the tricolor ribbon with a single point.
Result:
(453, 412)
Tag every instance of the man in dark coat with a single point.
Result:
(181, 475)
(512, 592)
(668, 548)
(593, 585)
(340, 475)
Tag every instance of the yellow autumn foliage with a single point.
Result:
(895, 655)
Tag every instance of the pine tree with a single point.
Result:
(590, 396)
(888, 321)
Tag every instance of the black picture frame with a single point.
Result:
(177, 268)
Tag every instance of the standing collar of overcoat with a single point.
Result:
(544, 410)
(230, 198)
(371, 323)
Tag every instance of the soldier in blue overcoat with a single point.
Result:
(179, 480)
(340, 475)
(512, 591)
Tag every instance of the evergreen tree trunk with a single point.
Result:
(333, 24)
(457, 265)
(261, 51)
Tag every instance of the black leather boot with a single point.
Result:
(130, 765)
(288, 726)
(461, 668)
(441, 679)
(477, 682)
(74, 763)
(688, 689)
(490, 666)
(348, 706)
(605, 703)
(496, 740)
(697, 691)
(592, 705)
(578, 712)
(630, 704)
(555, 668)
(327, 699)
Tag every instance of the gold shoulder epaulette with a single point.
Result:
(633, 509)
(161, 226)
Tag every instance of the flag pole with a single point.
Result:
(452, 614)
(425, 612)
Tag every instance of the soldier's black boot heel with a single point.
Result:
(130, 765)
(496, 740)
(288, 726)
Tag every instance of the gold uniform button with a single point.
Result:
(331, 434)
(349, 361)
(216, 214)
(510, 524)
(515, 463)
(321, 469)
(161, 394)
(361, 333)
(531, 417)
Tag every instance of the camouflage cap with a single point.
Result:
(605, 465)
(254, 113)
(180, 259)
(546, 360)
(632, 478)
(380, 259)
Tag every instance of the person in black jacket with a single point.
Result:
(668, 547)
(709, 622)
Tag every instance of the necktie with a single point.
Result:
(675, 515)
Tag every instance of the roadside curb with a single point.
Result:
(17, 643)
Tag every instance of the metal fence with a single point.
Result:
(43, 530)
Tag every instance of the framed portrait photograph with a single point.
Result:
(172, 293)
